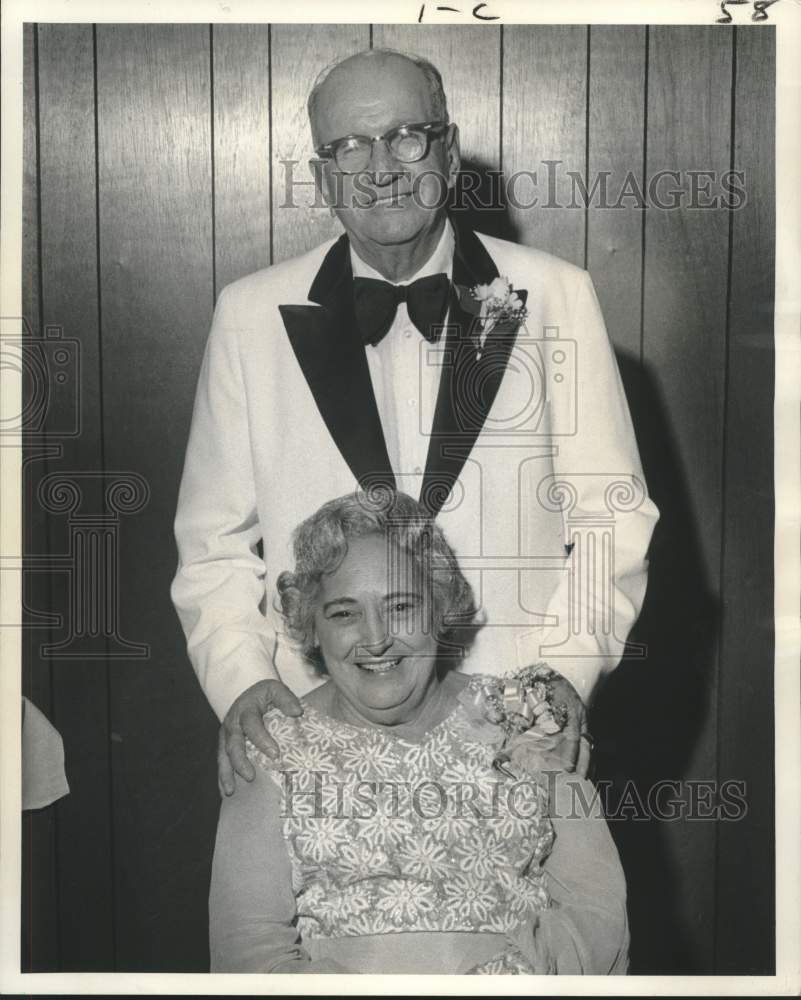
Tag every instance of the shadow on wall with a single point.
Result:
(650, 713)
(477, 201)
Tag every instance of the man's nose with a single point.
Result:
(384, 168)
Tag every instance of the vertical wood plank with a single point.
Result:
(36, 595)
(464, 54)
(40, 919)
(154, 119)
(615, 153)
(39, 916)
(298, 53)
(241, 58)
(687, 253)
(544, 118)
(36, 681)
(746, 934)
(30, 195)
(69, 293)
(684, 337)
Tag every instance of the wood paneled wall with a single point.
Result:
(156, 161)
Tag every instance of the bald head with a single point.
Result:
(364, 85)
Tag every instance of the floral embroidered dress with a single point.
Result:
(363, 852)
(387, 836)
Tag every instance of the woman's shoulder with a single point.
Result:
(287, 731)
(300, 738)
(319, 698)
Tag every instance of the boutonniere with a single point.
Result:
(492, 304)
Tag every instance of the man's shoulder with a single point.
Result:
(287, 281)
(519, 258)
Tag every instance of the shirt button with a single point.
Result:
(411, 402)
(417, 470)
(407, 333)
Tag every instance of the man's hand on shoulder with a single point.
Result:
(244, 719)
(573, 744)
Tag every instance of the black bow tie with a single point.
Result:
(377, 302)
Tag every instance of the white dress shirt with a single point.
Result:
(405, 383)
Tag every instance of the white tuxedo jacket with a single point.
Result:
(532, 469)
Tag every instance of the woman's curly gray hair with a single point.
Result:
(320, 544)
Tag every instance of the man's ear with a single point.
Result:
(454, 153)
(323, 189)
(316, 170)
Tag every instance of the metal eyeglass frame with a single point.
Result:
(329, 150)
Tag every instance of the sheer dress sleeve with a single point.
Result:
(585, 931)
(251, 903)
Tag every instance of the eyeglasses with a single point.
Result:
(407, 143)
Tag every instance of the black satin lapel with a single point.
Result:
(472, 264)
(468, 386)
(331, 355)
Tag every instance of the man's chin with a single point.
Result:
(396, 227)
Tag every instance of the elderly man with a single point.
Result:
(396, 356)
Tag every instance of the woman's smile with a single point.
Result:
(382, 666)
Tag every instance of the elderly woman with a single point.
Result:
(388, 838)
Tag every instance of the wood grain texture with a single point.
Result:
(687, 254)
(615, 153)
(298, 54)
(40, 914)
(241, 68)
(30, 206)
(544, 118)
(684, 347)
(745, 693)
(40, 919)
(154, 121)
(70, 303)
(36, 594)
